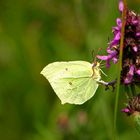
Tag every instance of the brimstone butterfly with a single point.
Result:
(74, 82)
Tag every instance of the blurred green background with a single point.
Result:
(37, 32)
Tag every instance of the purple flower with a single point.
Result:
(131, 50)
(112, 49)
(129, 77)
(138, 34)
(117, 33)
(132, 109)
(138, 72)
(132, 106)
(135, 48)
(125, 110)
(112, 55)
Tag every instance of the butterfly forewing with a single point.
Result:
(67, 69)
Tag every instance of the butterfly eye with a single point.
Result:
(94, 64)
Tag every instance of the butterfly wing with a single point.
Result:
(72, 81)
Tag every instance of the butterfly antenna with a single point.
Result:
(94, 55)
(108, 39)
(98, 50)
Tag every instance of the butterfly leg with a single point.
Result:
(107, 84)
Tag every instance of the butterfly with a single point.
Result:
(74, 82)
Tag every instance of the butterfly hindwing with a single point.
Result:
(74, 90)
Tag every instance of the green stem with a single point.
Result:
(120, 68)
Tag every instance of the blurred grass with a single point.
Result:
(34, 33)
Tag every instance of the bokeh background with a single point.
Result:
(37, 32)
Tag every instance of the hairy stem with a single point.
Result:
(120, 68)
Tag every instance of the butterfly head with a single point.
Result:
(95, 64)
(96, 70)
(96, 67)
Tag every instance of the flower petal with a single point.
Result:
(108, 63)
(115, 60)
(138, 34)
(109, 50)
(129, 76)
(116, 28)
(138, 72)
(119, 22)
(121, 6)
(135, 22)
(117, 36)
(125, 110)
(135, 48)
(104, 57)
